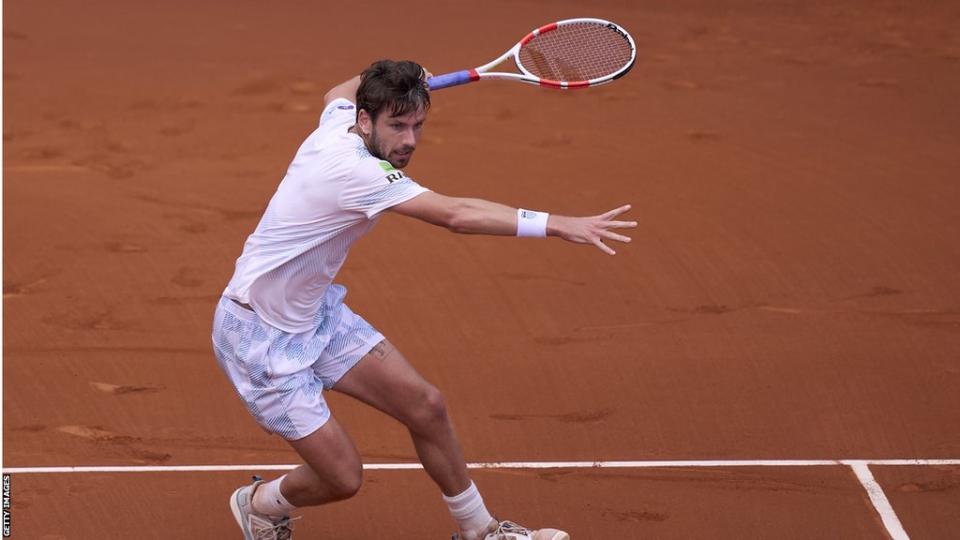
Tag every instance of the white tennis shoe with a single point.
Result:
(257, 526)
(508, 530)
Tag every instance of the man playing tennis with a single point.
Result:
(282, 333)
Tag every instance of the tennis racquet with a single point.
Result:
(574, 53)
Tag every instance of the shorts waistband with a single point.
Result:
(238, 309)
(241, 304)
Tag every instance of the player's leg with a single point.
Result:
(359, 362)
(385, 380)
(332, 470)
(272, 373)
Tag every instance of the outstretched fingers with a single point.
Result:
(615, 212)
(614, 236)
(606, 223)
(603, 247)
(618, 224)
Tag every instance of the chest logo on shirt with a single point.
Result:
(393, 174)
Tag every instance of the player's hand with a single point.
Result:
(425, 74)
(592, 230)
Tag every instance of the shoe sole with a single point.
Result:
(237, 515)
(559, 535)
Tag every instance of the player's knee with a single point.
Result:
(346, 483)
(431, 411)
(349, 484)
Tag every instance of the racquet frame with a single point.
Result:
(479, 73)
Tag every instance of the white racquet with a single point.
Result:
(574, 53)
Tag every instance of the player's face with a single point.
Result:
(395, 137)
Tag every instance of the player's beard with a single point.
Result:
(375, 147)
(373, 144)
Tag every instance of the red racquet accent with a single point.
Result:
(538, 32)
(474, 76)
(558, 84)
(546, 28)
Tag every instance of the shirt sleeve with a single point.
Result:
(375, 186)
(338, 113)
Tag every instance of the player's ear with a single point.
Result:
(364, 122)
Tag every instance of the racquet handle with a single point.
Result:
(452, 79)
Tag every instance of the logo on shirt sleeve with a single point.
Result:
(393, 174)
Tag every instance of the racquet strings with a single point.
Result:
(576, 52)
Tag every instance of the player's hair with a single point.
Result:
(397, 86)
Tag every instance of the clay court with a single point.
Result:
(775, 355)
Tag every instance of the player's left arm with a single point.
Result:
(478, 216)
(459, 214)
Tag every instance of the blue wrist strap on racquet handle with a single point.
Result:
(450, 79)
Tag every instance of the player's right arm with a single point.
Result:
(346, 90)
(478, 216)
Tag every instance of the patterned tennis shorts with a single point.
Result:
(281, 376)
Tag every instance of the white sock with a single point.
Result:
(468, 509)
(268, 500)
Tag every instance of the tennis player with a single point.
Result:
(283, 334)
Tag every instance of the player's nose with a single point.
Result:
(409, 138)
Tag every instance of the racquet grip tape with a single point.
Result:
(453, 79)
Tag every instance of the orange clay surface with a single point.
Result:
(792, 292)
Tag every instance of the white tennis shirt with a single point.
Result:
(332, 194)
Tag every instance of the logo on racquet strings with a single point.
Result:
(617, 29)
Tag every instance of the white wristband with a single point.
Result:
(531, 223)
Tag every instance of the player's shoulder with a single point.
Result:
(339, 111)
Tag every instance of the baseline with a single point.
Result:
(860, 467)
(502, 465)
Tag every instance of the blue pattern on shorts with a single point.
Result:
(281, 376)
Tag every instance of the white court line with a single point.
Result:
(860, 468)
(879, 500)
(503, 465)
